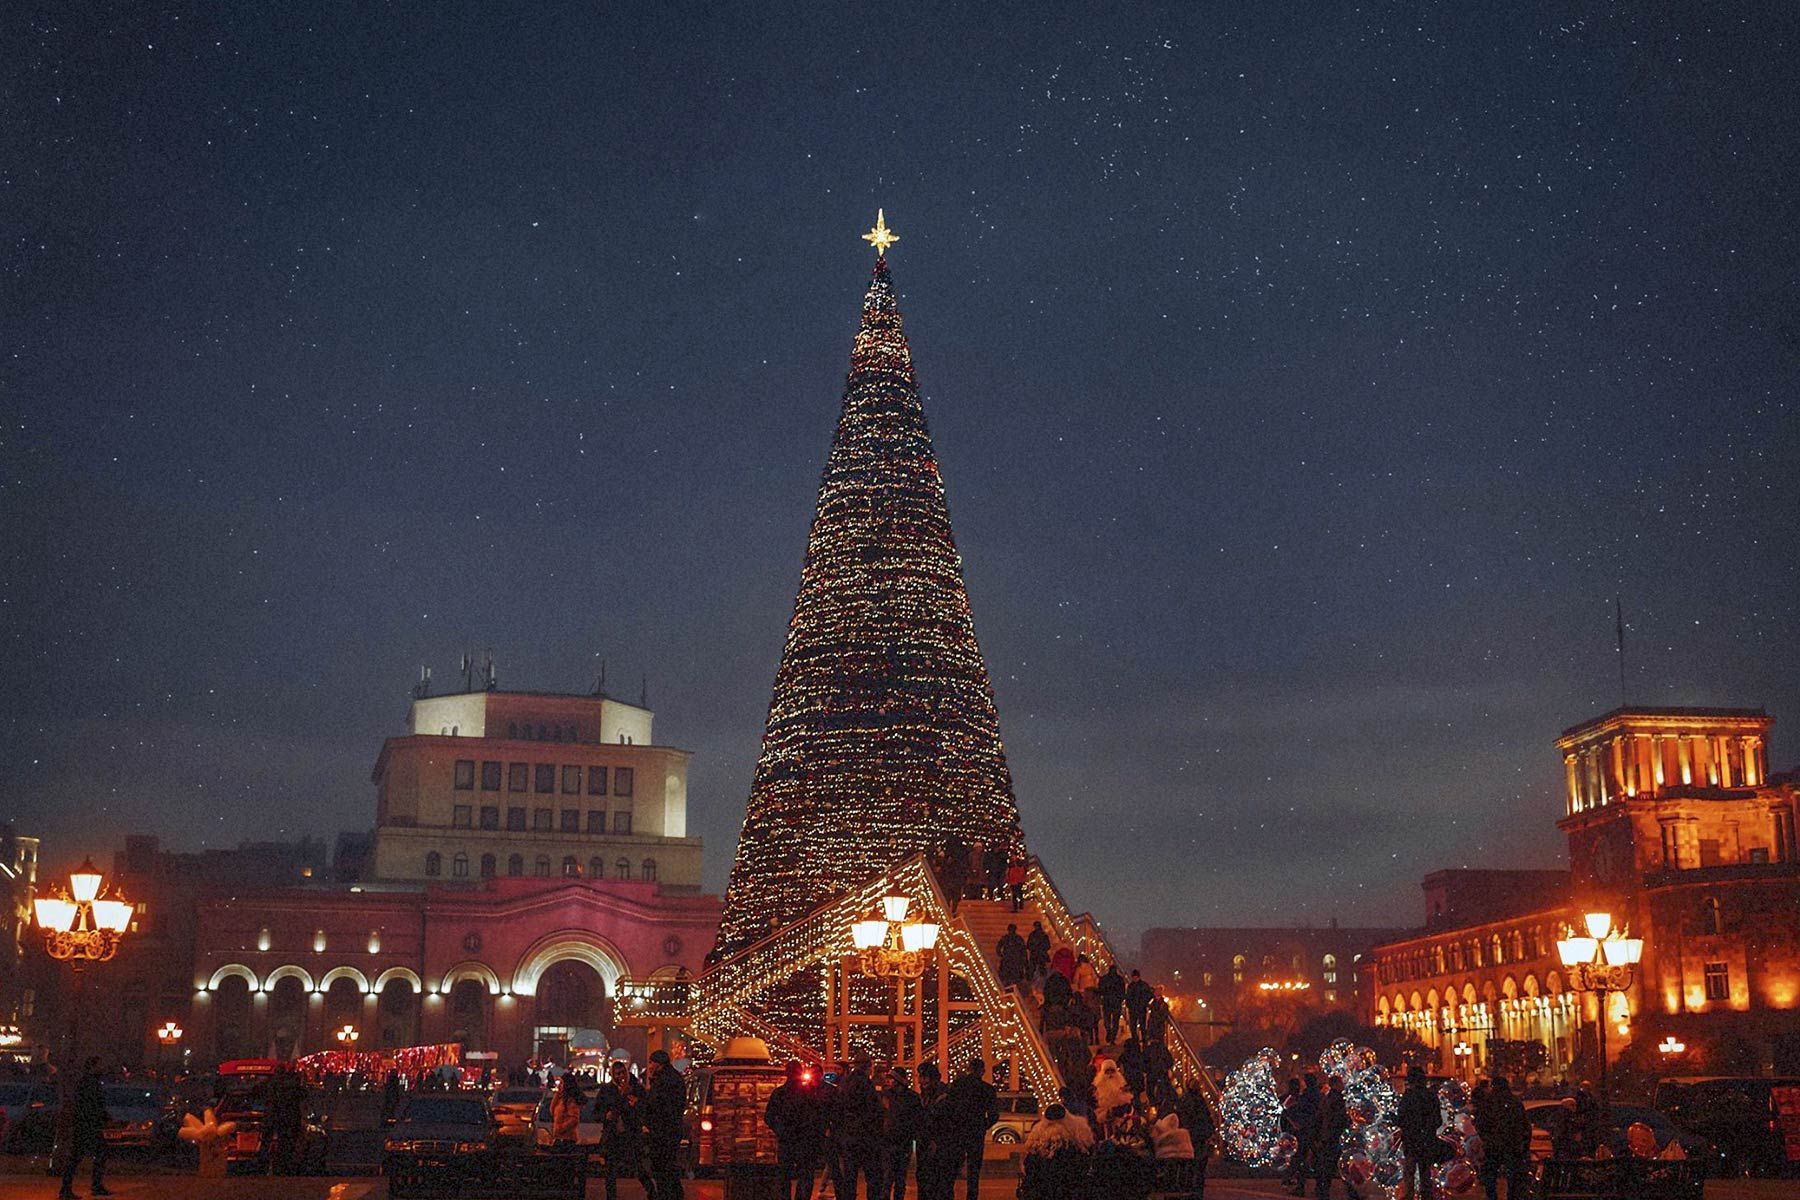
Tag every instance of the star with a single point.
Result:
(880, 237)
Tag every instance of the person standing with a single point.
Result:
(1138, 995)
(1196, 1117)
(856, 1125)
(1156, 1018)
(565, 1112)
(1506, 1140)
(975, 1106)
(1334, 1122)
(284, 1117)
(993, 865)
(797, 1118)
(87, 1126)
(901, 1114)
(618, 1109)
(1421, 1148)
(1011, 956)
(1112, 1001)
(1303, 1122)
(1015, 880)
(1037, 949)
(663, 1108)
(1087, 980)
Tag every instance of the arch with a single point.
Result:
(1509, 988)
(1468, 993)
(231, 970)
(337, 973)
(470, 969)
(1381, 1006)
(289, 971)
(578, 944)
(1553, 984)
(1530, 987)
(405, 974)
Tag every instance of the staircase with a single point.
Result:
(986, 921)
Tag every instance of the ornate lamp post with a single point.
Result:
(1603, 962)
(347, 1036)
(891, 947)
(169, 1037)
(81, 926)
(1670, 1046)
(1464, 1057)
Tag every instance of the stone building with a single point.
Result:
(1675, 826)
(18, 938)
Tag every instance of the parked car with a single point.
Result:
(1753, 1120)
(30, 1115)
(1018, 1113)
(432, 1128)
(515, 1110)
(1542, 1115)
(243, 1098)
(137, 1116)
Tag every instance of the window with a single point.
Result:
(571, 820)
(1711, 918)
(1718, 981)
(571, 869)
(459, 866)
(462, 816)
(1237, 968)
(518, 777)
(515, 864)
(623, 779)
(1759, 854)
(596, 820)
(542, 820)
(596, 867)
(546, 777)
(649, 872)
(434, 864)
(490, 817)
(515, 818)
(571, 781)
(621, 822)
(541, 868)
(622, 869)
(1206, 979)
(1330, 962)
(596, 781)
(490, 776)
(465, 774)
(487, 866)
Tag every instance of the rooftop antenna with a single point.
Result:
(1619, 629)
(600, 683)
(468, 671)
(423, 688)
(644, 692)
(492, 680)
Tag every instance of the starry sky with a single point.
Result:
(1307, 380)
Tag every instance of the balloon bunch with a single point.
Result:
(1457, 1176)
(1371, 1157)
(1250, 1112)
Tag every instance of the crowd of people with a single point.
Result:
(1111, 1140)
(859, 1133)
(639, 1119)
(985, 872)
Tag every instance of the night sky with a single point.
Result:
(1307, 382)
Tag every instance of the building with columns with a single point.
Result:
(1675, 826)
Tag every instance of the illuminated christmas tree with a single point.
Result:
(882, 738)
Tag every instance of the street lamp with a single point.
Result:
(1603, 962)
(85, 923)
(347, 1036)
(1464, 1055)
(1671, 1046)
(890, 946)
(169, 1036)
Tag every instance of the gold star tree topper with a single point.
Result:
(880, 237)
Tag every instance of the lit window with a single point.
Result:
(1718, 981)
(570, 868)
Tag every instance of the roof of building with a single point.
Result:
(1654, 712)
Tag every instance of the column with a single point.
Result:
(1574, 784)
(1617, 749)
(1656, 761)
(1752, 768)
(1684, 759)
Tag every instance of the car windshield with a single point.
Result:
(445, 1110)
(518, 1096)
(127, 1095)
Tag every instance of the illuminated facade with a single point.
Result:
(491, 784)
(18, 938)
(1675, 825)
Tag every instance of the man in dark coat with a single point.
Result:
(1505, 1139)
(1419, 1119)
(1302, 1119)
(796, 1115)
(1010, 951)
(618, 1110)
(901, 1116)
(663, 1109)
(284, 1117)
(87, 1124)
(975, 1105)
(1037, 949)
(993, 864)
(1156, 1017)
(856, 1121)
(1112, 1002)
(1334, 1122)
(1138, 995)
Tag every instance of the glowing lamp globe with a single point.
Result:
(84, 884)
(1576, 950)
(894, 908)
(1599, 924)
(113, 915)
(867, 935)
(54, 913)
